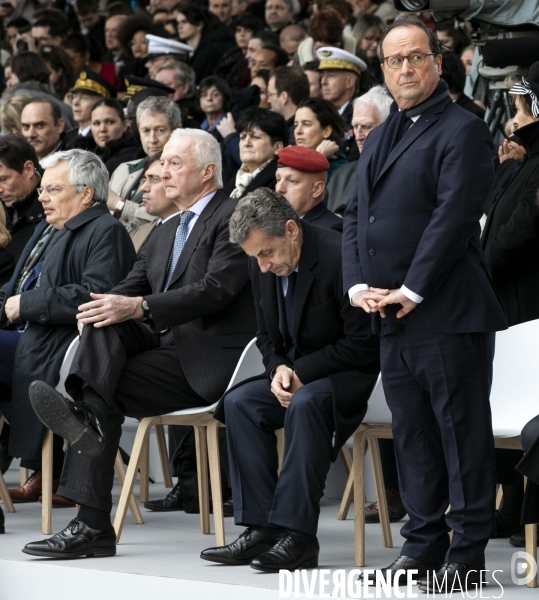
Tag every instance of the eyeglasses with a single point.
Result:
(151, 179)
(144, 42)
(52, 190)
(416, 60)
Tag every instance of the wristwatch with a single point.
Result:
(145, 309)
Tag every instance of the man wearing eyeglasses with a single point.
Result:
(411, 255)
(79, 248)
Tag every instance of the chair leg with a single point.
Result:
(163, 454)
(212, 433)
(358, 468)
(46, 477)
(202, 475)
(376, 464)
(347, 497)
(23, 475)
(346, 459)
(131, 475)
(144, 482)
(499, 497)
(280, 447)
(133, 505)
(531, 549)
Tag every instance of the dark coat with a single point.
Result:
(266, 178)
(118, 151)
(333, 338)
(90, 254)
(204, 59)
(418, 224)
(30, 214)
(322, 217)
(468, 104)
(504, 174)
(341, 186)
(7, 264)
(209, 302)
(234, 69)
(511, 236)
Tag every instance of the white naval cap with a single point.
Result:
(339, 60)
(159, 45)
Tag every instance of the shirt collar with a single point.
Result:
(161, 221)
(84, 132)
(201, 204)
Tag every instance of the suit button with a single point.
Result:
(371, 219)
(42, 318)
(371, 251)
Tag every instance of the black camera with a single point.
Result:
(22, 45)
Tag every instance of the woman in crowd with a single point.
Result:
(368, 32)
(263, 134)
(10, 113)
(233, 66)
(85, 54)
(451, 39)
(193, 24)
(114, 145)
(62, 75)
(132, 37)
(261, 80)
(383, 9)
(319, 126)
(214, 101)
(7, 262)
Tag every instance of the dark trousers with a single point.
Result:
(253, 414)
(8, 347)
(437, 388)
(138, 374)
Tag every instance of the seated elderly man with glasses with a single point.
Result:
(79, 248)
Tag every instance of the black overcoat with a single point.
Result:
(91, 253)
(334, 339)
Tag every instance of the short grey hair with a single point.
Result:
(185, 74)
(292, 6)
(262, 209)
(85, 169)
(378, 97)
(206, 149)
(159, 105)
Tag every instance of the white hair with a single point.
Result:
(206, 149)
(378, 97)
(85, 169)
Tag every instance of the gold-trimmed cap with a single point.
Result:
(339, 60)
(93, 83)
(135, 84)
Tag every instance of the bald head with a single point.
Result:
(291, 37)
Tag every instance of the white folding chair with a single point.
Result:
(46, 454)
(514, 398)
(206, 433)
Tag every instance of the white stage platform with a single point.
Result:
(160, 559)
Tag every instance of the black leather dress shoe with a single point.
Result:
(73, 421)
(290, 552)
(453, 577)
(506, 526)
(77, 540)
(228, 508)
(249, 545)
(518, 540)
(2, 521)
(395, 508)
(172, 501)
(407, 564)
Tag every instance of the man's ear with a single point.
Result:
(318, 188)
(60, 125)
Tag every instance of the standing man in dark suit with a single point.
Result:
(301, 178)
(192, 285)
(411, 235)
(321, 364)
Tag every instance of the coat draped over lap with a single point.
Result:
(91, 253)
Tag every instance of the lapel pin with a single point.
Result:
(426, 120)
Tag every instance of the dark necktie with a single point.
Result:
(179, 242)
(289, 306)
(406, 125)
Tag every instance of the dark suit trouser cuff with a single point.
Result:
(291, 522)
(87, 500)
(247, 518)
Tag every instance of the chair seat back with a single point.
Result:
(378, 412)
(66, 365)
(249, 365)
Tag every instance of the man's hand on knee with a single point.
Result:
(108, 309)
(285, 383)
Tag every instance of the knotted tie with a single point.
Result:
(179, 242)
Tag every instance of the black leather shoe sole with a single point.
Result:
(224, 560)
(56, 413)
(308, 563)
(90, 553)
(155, 507)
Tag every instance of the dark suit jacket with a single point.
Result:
(321, 216)
(30, 214)
(266, 178)
(418, 225)
(209, 303)
(341, 186)
(333, 339)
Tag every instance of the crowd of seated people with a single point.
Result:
(135, 132)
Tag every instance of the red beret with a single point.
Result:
(303, 159)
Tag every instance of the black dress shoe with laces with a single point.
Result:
(73, 421)
(171, 502)
(406, 564)
(454, 577)
(251, 543)
(290, 553)
(77, 540)
(2, 521)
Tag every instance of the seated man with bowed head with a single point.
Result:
(79, 248)
(191, 286)
(322, 362)
(301, 179)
